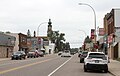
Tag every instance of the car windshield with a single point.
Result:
(17, 52)
(66, 51)
(84, 52)
(97, 55)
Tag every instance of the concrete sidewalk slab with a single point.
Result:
(114, 67)
(2, 59)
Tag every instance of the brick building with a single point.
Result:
(7, 44)
(112, 28)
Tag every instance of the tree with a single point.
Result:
(60, 42)
(87, 40)
(8, 32)
(67, 46)
(58, 39)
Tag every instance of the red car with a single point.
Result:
(32, 54)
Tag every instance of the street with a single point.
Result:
(50, 65)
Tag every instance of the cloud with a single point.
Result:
(67, 16)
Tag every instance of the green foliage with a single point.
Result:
(58, 39)
(8, 32)
(87, 40)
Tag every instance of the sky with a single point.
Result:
(67, 16)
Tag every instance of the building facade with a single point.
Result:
(112, 30)
(21, 41)
(7, 44)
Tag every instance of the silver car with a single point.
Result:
(66, 53)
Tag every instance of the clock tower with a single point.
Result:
(49, 31)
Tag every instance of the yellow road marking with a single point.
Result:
(20, 67)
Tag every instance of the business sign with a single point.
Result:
(110, 38)
(39, 40)
(92, 33)
(101, 32)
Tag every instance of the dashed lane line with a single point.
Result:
(59, 67)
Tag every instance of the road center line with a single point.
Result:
(59, 67)
(20, 67)
(17, 62)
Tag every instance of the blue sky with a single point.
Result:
(66, 15)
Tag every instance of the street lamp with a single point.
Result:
(39, 26)
(94, 17)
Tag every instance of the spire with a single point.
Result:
(49, 23)
(34, 34)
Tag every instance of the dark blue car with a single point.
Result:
(18, 55)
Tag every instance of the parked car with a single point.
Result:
(66, 53)
(72, 52)
(18, 55)
(79, 53)
(59, 53)
(96, 61)
(83, 55)
(32, 54)
(40, 53)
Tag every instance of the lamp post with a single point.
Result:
(94, 17)
(85, 36)
(39, 26)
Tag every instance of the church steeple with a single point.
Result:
(49, 23)
(49, 31)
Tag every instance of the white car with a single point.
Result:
(59, 53)
(96, 61)
(66, 53)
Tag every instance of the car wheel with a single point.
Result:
(24, 58)
(20, 58)
(85, 69)
(81, 61)
(106, 70)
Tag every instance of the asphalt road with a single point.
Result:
(50, 65)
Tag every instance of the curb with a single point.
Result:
(111, 73)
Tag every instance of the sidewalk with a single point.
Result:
(2, 59)
(114, 67)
